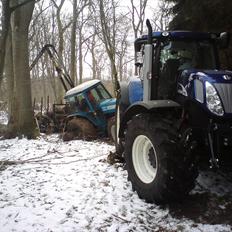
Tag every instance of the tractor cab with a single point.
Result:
(179, 55)
(176, 52)
(92, 101)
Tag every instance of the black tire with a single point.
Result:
(80, 128)
(175, 172)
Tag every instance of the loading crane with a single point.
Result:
(65, 79)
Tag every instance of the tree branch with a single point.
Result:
(13, 8)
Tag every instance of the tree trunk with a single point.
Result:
(60, 52)
(25, 125)
(9, 72)
(94, 69)
(4, 31)
(60, 92)
(73, 68)
(80, 57)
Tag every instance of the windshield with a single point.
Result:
(99, 93)
(189, 54)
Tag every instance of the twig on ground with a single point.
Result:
(73, 161)
(123, 219)
(38, 158)
(10, 162)
(1, 165)
(41, 161)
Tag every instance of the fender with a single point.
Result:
(145, 107)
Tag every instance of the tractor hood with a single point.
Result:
(211, 88)
(108, 106)
(213, 76)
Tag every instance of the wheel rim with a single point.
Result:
(144, 159)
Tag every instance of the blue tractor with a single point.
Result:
(91, 110)
(177, 114)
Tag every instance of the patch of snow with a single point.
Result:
(216, 182)
(3, 118)
(68, 186)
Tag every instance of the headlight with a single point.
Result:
(212, 99)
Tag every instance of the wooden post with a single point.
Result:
(41, 106)
(34, 104)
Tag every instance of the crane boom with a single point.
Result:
(66, 80)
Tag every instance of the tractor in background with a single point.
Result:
(91, 111)
(88, 111)
(177, 115)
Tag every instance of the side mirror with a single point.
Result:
(224, 40)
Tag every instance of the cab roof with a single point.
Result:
(162, 35)
(182, 35)
(82, 87)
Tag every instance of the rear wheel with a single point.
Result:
(79, 128)
(157, 165)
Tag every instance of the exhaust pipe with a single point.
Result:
(149, 27)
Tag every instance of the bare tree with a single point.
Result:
(138, 16)
(137, 19)
(61, 30)
(162, 16)
(5, 24)
(82, 38)
(77, 20)
(122, 44)
(96, 51)
(43, 31)
(107, 18)
(21, 117)
(73, 65)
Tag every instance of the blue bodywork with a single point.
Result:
(97, 113)
(135, 89)
(191, 84)
(181, 35)
(108, 106)
(175, 35)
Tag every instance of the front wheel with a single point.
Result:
(157, 166)
(144, 159)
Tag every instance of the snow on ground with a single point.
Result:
(3, 117)
(68, 186)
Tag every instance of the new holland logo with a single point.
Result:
(227, 77)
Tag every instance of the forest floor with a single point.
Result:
(69, 186)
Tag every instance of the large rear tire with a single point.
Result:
(157, 164)
(79, 128)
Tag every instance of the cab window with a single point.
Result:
(98, 94)
(78, 103)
